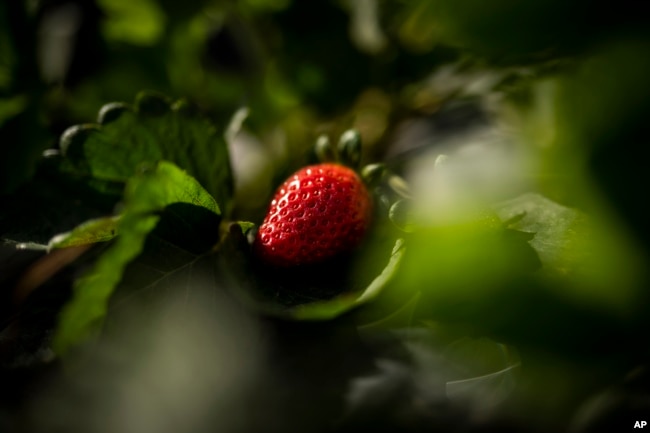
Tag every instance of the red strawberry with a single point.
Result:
(320, 211)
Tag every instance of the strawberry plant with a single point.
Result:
(471, 255)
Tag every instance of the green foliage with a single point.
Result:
(138, 23)
(582, 258)
(602, 136)
(457, 267)
(508, 32)
(441, 318)
(146, 194)
(319, 292)
(114, 152)
(153, 129)
(90, 232)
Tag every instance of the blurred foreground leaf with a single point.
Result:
(138, 23)
(509, 32)
(602, 136)
(548, 276)
(584, 259)
(455, 266)
(146, 195)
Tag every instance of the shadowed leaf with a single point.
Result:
(317, 292)
(146, 195)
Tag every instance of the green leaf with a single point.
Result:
(146, 194)
(138, 23)
(48, 205)
(319, 292)
(10, 107)
(586, 259)
(461, 271)
(552, 276)
(90, 232)
(162, 270)
(508, 32)
(246, 226)
(151, 130)
(400, 318)
(331, 308)
(554, 226)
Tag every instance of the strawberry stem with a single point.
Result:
(399, 186)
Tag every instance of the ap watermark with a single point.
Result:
(640, 424)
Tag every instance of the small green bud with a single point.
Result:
(111, 111)
(350, 148)
(400, 215)
(152, 103)
(324, 150)
(73, 138)
(373, 174)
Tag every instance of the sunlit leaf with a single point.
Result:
(153, 129)
(97, 230)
